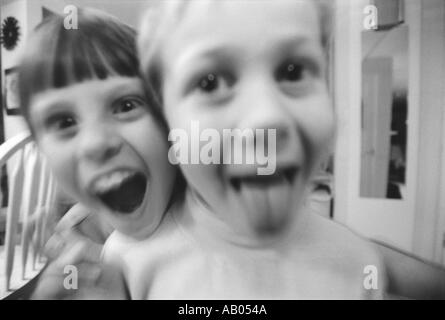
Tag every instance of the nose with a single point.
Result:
(99, 143)
(265, 110)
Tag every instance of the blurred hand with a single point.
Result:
(87, 223)
(75, 269)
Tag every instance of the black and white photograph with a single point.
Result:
(227, 154)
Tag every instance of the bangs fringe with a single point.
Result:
(59, 57)
(89, 53)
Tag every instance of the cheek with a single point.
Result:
(157, 158)
(150, 142)
(203, 177)
(180, 115)
(322, 132)
(324, 122)
(172, 102)
(181, 111)
(316, 125)
(61, 162)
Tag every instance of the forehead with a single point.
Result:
(96, 89)
(237, 22)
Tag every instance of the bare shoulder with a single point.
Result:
(166, 240)
(346, 249)
(350, 266)
(339, 236)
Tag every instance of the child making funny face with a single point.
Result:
(92, 122)
(244, 65)
(88, 112)
(249, 65)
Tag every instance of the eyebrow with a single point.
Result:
(50, 106)
(130, 85)
(46, 110)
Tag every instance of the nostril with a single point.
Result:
(282, 133)
(99, 148)
(278, 135)
(282, 138)
(111, 151)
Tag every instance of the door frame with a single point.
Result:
(430, 205)
(374, 218)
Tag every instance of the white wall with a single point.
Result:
(17, 9)
(129, 11)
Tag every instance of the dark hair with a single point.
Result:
(56, 57)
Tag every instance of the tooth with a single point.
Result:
(121, 175)
(102, 184)
(111, 181)
(115, 179)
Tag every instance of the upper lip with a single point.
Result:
(247, 170)
(288, 171)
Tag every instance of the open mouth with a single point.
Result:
(267, 199)
(122, 191)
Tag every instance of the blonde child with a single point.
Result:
(245, 65)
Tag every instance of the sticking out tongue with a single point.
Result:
(126, 195)
(267, 203)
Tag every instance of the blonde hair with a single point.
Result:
(166, 14)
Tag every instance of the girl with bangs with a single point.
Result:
(86, 106)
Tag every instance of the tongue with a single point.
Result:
(267, 206)
(126, 197)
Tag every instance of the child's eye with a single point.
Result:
(291, 72)
(128, 107)
(61, 124)
(65, 123)
(295, 77)
(209, 83)
(214, 84)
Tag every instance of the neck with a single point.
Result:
(206, 222)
